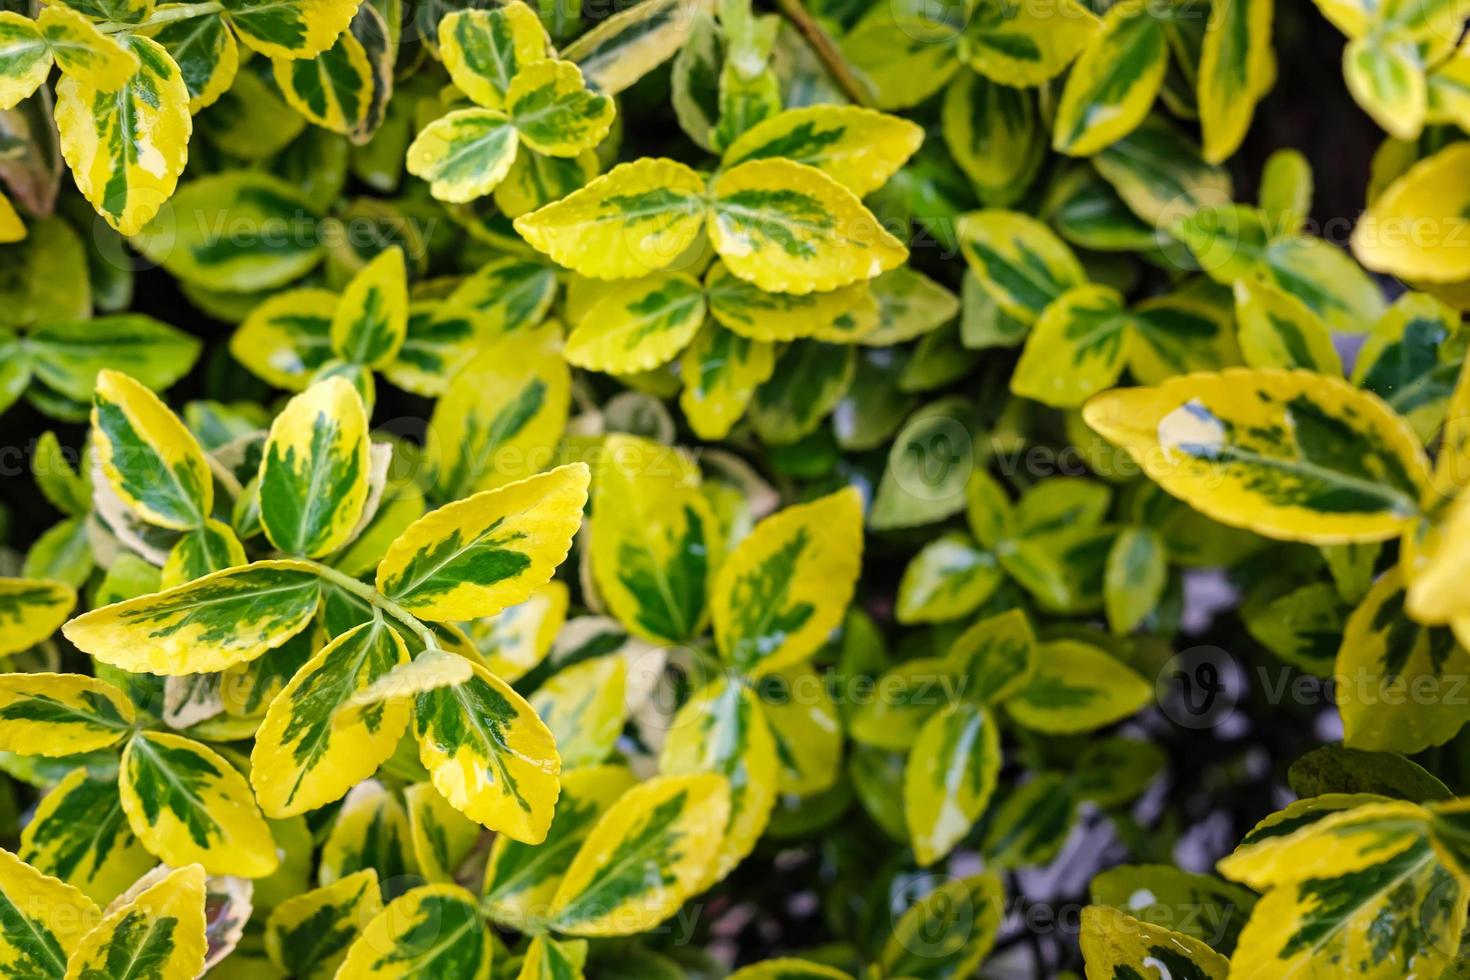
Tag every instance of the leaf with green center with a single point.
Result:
(286, 338)
(1191, 329)
(187, 804)
(521, 879)
(787, 584)
(479, 555)
(84, 53)
(949, 578)
(212, 623)
(1015, 44)
(1019, 261)
(126, 148)
(857, 147)
(439, 339)
(484, 50)
(585, 707)
(947, 932)
(849, 312)
(1202, 906)
(512, 292)
(553, 111)
(633, 220)
(1077, 687)
(722, 370)
(333, 89)
(210, 547)
(318, 738)
(809, 380)
(67, 356)
(314, 473)
(490, 755)
(638, 324)
(514, 641)
(535, 181)
(289, 28)
(1113, 84)
(949, 778)
(655, 541)
(1076, 348)
(1288, 454)
(442, 837)
(31, 610)
(370, 831)
(1134, 580)
(207, 54)
(995, 658)
(1160, 174)
(465, 154)
(722, 729)
(1407, 361)
(308, 934)
(1031, 824)
(60, 714)
(159, 933)
(913, 692)
(25, 58)
(433, 931)
(630, 43)
(1235, 69)
(648, 853)
(549, 959)
(151, 460)
(505, 409)
(1384, 651)
(802, 715)
(80, 835)
(371, 319)
(42, 921)
(235, 231)
(790, 228)
(1117, 945)
(1277, 330)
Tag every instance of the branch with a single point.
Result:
(827, 52)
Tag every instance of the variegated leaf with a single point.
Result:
(553, 111)
(638, 324)
(433, 931)
(80, 834)
(285, 339)
(442, 837)
(158, 932)
(31, 610)
(152, 461)
(465, 154)
(1077, 687)
(857, 147)
(722, 370)
(1116, 944)
(25, 58)
(289, 28)
(308, 934)
(485, 49)
(949, 778)
(60, 714)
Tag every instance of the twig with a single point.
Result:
(826, 51)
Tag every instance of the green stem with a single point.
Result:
(187, 11)
(826, 51)
(378, 601)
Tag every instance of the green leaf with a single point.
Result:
(1077, 687)
(948, 932)
(1137, 572)
(948, 579)
(1113, 84)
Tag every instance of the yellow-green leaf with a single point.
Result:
(787, 585)
(285, 339)
(1021, 45)
(289, 28)
(1020, 263)
(1235, 67)
(126, 148)
(638, 324)
(1386, 77)
(655, 541)
(995, 134)
(1289, 454)
(152, 461)
(517, 639)
(633, 220)
(31, 610)
(521, 879)
(947, 932)
(319, 739)
(1077, 687)
(1114, 82)
(484, 50)
(1115, 944)
(949, 778)
(60, 714)
(207, 54)
(465, 154)
(371, 320)
(223, 619)
(187, 804)
(1431, 194)
(790, 228)
(25, 58)
(1076, 348)
(479, 555)
(1277, 330)
(802, 716)
(210, 547)
(553, 111)
(314, 474)
(647, 854)
(585, 706)
(722, 370)
(627, 45)
(308, 934)
(84, 53)
(489, 754)
(915, 690)
(434, 931)
(859, 148)
(502, 414)
(370, 831)
(722, 729)
(849, 312)
(1407, 361)
(333, 89)
(442, 837)
(948, 578)
(47, 921)
(160, 930)
(788, 968)
(80, 834)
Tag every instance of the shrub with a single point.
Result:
(831, 491)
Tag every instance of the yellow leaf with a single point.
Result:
(84, 53)
(1409, 230)
(60, 714)
(46, 908)
(154, 463)
(787, 585)
(126, 148)
(397, 946)
(722, 370)
(25, 58)
(515, 640)
(647, 854)
(790, 228)
(1024, 45)
(1115, 944)
(1235, 70)
(638, 324)
(633, 220)
(31, 610)
(163, 926)
(483, 50)
(859, 148)
(1292, 455)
